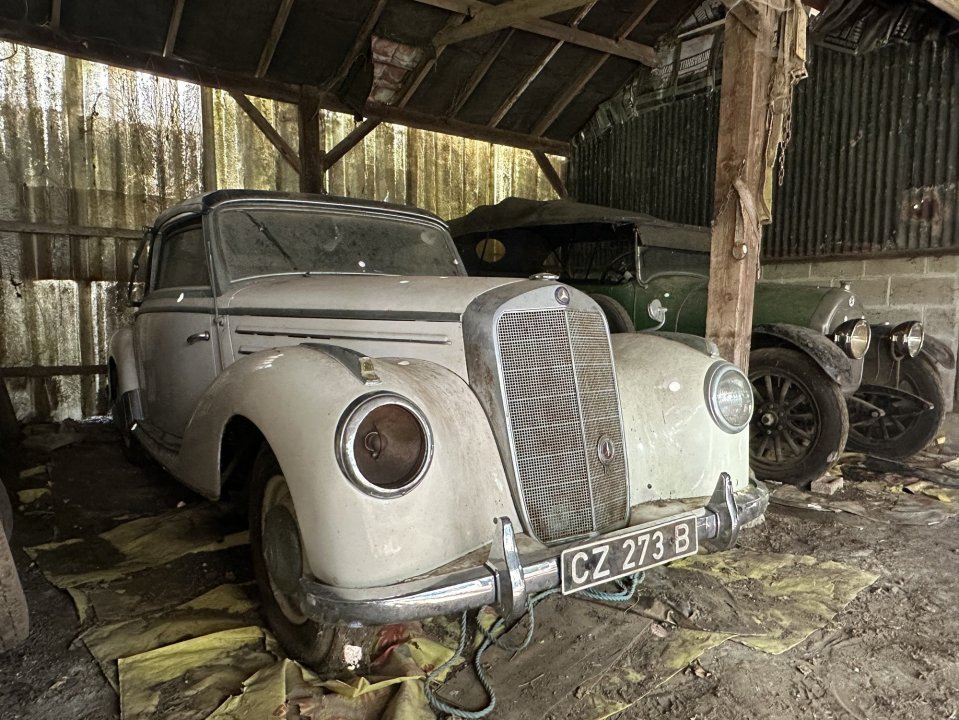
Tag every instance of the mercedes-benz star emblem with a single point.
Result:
(605, 449)
(562, 295)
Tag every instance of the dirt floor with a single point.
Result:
(893, 652)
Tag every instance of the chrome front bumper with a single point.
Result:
(506, 579)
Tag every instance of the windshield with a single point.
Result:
(256, 241)
(655, 261)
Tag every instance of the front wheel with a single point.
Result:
(801, 422)
(279, 562)
(905, 426)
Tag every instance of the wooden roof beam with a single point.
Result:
(576, 87)
(287, 152)
(55, 14)
(279, 25)
(479, 73)
(173, 28)
(429, 62)
(628, 49)
(491, 18)
(361, 42)
(353, 139)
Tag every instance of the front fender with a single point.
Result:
(296, 397)
(846, 372)
(939, 352)
(124, 359)
(675, 449)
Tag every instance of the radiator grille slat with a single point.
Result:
(560, 400)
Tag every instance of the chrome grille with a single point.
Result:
(560, 400)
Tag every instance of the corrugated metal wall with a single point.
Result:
(84, 144)
(872, 168)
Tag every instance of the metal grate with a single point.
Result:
(560, 401)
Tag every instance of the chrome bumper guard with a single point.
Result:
(506, 580)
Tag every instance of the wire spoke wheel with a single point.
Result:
(800, 422)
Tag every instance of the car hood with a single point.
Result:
(385, 295)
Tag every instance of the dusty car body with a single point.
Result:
(421, 442)
(809, 344)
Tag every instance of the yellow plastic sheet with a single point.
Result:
(137, 545)
(925, 487)
(789, 596)
(31, 495)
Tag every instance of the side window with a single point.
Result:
(182, 261)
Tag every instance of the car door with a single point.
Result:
(174, 334)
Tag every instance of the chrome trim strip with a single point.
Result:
(336, 314)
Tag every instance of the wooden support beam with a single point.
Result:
(173, 28)
(208, 139)
(479, 73)
(496, 17)
(354, 137)
(287, 152)
(38, 228)
(417, 77)
(740, 171)
(362, 41)
(55, 14)
(312, 160)
(551, 175)
(623, 48)
(534, 72)
(276, 32)
(576, 87)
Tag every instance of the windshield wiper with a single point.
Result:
(265, 232)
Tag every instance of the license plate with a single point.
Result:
(603, 560)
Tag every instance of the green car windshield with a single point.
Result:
(656, 261)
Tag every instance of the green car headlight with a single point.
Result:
(729, 395)
(853, 336)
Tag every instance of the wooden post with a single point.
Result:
(208, 138)
(312, 161)
(734, 253)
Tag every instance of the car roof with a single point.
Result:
(200, 204)
(514, 212)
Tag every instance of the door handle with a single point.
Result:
(197, 337)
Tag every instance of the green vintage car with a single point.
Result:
(810, 345)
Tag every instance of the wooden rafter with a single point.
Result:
(576, 87)
(55, 14)
(535, 71)
(287, 152)
(173, 28)
(362, 40)
(624, 48)
(276, 32)
(551, 175)
(479, 73)
(426, 66)
(353, 139)
(491, 18)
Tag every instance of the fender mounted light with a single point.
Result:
(853, 336)
(907, 339)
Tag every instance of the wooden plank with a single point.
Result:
(551, 175)
(287, 152)
(425, 67)
(208, 139)
(39, 371)
(362, 41)
(496, 17)
(55, 14)
(479, 73)
(623, 48)
(276, 32)
(173, 28)
(312, 158)
(740, 169)
(582, 80)
(39, 228)
(354, 137)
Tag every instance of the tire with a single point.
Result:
(278, 564)
(801, 422)
(133, 451)
(6, 513)
(14, 619)
(617, 318)
(905, 429)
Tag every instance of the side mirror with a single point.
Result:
(657, 313)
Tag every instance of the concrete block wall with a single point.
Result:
(892, 290)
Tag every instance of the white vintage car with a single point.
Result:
(415, 442)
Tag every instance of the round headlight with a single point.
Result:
(384, 444)
(729, 395)
(853, 336)
(907, 339)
